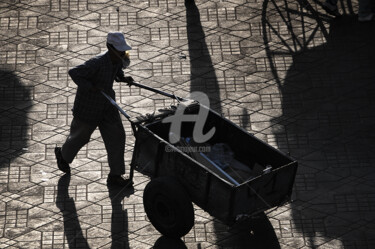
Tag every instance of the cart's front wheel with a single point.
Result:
(168, 207)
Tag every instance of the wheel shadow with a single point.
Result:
(327, 125)
(257, 233)
(165, 242)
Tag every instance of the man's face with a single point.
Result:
(120, 56)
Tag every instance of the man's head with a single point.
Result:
(117, 40)
(118, 47)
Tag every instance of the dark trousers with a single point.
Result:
(113, 135)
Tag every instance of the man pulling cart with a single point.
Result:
(91, 109)
(178, 177)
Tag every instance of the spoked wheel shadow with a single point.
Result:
(327, 119)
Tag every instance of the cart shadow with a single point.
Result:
(257, 233)
(15, 102)
(327, 125)
(204, 79)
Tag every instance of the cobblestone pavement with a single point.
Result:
(284, 70)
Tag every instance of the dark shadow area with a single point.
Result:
(119, 218)
(169, 243)
(260, 233)
(257, 233)
(66, 204)
(203, 77)
(72, 228)
(245, 119)
(327, 124)
(15, 101)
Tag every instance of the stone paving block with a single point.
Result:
(283, 70)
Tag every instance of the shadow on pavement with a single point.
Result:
(260, 233)
(119, 219)
(66, 204)
(203, 77)
(327, 124)
(15, 101)
(72, 228)
(257, 233)
(169, 243)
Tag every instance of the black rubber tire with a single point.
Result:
(168, 207)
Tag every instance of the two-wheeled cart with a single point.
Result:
(178, 178)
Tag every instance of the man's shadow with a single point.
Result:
(66, 204)
(15, 102)
(72, 228)
(119, 218)
(328, 120)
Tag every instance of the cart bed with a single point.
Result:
(155, 156)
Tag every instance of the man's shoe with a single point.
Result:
(331, 8)
(63, 166)
(366, 18)
(117, 180)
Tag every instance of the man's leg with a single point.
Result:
(113, 135)
(80, 133)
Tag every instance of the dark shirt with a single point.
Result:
(90, 105)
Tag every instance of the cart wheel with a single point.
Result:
(168, 207)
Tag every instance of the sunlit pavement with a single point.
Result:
(286, 71)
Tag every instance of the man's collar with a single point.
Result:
(108, 55)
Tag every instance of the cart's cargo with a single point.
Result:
(220, 159)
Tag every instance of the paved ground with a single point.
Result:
(286, 71)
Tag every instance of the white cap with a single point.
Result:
(118, 41)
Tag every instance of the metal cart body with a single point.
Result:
(178, 179)
(153, 155)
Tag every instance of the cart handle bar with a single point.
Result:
(144, 87)
(116, 105)
(156, 91)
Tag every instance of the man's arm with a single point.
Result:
(83, 74)
(120, 77)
